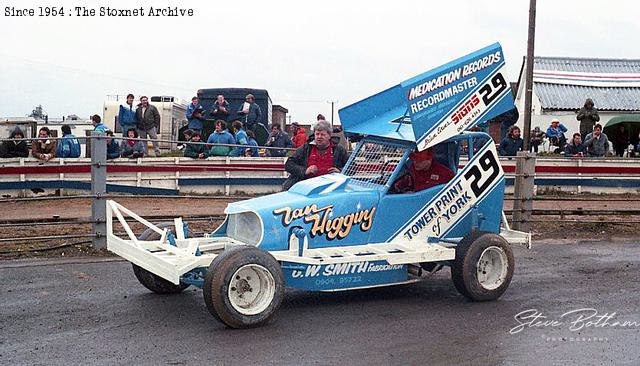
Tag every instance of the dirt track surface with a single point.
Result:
(53, 312)
(81, 207)
(178, 206)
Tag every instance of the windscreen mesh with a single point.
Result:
(374, 163)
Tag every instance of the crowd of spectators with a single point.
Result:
(590, 141)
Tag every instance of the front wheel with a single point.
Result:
(483, 267)
(244, 287)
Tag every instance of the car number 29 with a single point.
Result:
(483, 174)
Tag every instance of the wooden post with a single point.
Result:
(523, 190)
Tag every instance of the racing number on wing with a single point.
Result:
(491, 90)
(482, 179)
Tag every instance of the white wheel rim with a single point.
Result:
(492, 268)
(252, 289)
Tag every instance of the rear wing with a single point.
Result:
(438, 104)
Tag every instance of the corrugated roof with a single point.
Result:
(597, 65)
(572, 97)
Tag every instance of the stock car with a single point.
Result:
(349, 230)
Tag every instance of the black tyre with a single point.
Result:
(483, 267)
(151, 281)
(244, 287)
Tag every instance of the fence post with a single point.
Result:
(523, 190)
(99, 189)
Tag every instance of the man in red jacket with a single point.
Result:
(423, 172)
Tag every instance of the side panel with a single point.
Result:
(480, 182)
(330, 220)
(342, 275)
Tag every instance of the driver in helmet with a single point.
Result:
(421, 172)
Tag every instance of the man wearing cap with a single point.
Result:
(250, 112)
(422, 171)
(555, 133)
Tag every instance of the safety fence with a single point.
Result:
(24, 177)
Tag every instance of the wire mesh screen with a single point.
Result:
(374, 163)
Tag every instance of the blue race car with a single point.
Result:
(353, 229)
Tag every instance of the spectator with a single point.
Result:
(596, 143)
(194, 115)
(636, 148)
(220, 108)
(240, 136)
(317, 158)
(621, 141)
(588, 116)
(299, 134)
(576, 147)
(510, 145)
(251, 141)
(113, 148)
(555, 133)
(44, 148)
(278, 138)
(250, 110)
(14, 149)
(423, 171)
(220, 136)
(195, 149)
(148, 122)
(133, 149)
(535, 139)
(97, 124)
(127, 115)
(68, 146)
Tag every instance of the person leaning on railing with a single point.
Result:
(315, 158)
(14, 149)
(195, 149)
(44, 148)
(113, 148)
(596, 143)
(68, 146)
(575, 148)
(132, 149)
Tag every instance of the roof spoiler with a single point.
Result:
(438, 104)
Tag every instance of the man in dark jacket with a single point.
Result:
(575, 148)
(512, 143)
(148, 122)
(588, 116)
(14, 149)
(250, 112)
(317, 158)
(278, 138)
(113, 147)
(195, 149)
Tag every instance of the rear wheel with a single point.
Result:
(151, 281)
(244, 287)
(483, 267)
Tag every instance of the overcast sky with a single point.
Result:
(304, 53)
